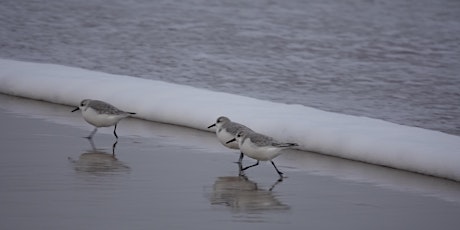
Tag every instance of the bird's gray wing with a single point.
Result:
(105, 107)
(234, 128)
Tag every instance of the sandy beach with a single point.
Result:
(160, 176)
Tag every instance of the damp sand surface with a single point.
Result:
(161, 176)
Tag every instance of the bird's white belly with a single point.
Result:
(100, 120)
(224, 136)
(259, 153)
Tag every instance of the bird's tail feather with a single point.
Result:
(287, 145)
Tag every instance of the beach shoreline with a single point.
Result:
(170, 176)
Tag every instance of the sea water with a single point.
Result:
(392, 60)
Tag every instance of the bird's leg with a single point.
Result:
(250, 166)
(241, 158)
(240, 165)
(240, 169)
(115, 131)
(278, 171)
(92, 133)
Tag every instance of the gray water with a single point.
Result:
(395, 60)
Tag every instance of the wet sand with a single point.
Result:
(164, 176)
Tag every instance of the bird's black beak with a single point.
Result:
(211, 125)
(75, 109)
(230, 141)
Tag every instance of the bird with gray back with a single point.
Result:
(260, 147)
(227, 130)
(101, 114)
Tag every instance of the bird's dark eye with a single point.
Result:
(82, 104)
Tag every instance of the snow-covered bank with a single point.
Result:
(359, 138)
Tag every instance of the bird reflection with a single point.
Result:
(241, 194)
(99, 162)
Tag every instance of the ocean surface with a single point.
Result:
(396, 60)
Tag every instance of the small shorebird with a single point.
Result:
(226, 130)
(260, 147)
(101, 114)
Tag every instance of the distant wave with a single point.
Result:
(357, 138)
